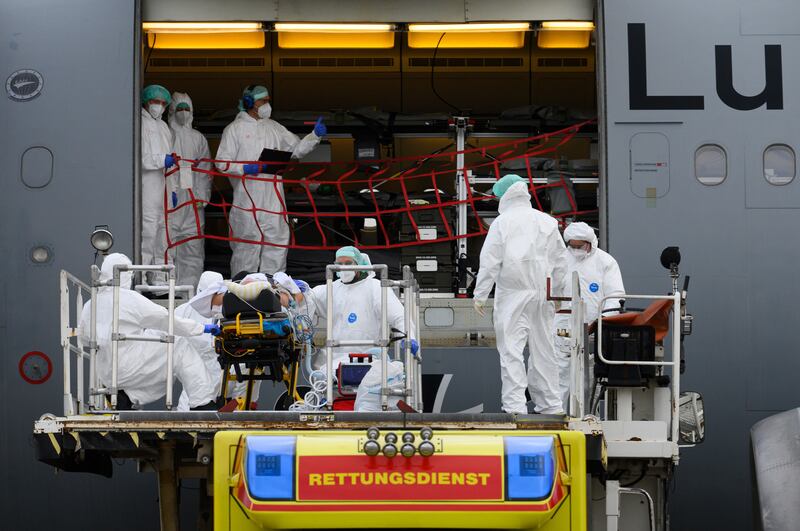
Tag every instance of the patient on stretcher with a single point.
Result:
(258, 337)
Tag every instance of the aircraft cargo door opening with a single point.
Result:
(420, 120)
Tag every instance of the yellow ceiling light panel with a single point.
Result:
(568, 25)
(565, 34)
(205, 41)
(297, 35)
(469, 28)
(478, 35)
(335, 28)
(204, 35)
(317, 40)
(200, 27)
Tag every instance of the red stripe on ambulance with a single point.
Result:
(363, 478)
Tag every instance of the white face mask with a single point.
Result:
(265, 111)
(216, 309)
(182, 117)
(580, 254)
(346, 276)
(155, 110)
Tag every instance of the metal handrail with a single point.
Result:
(676, 349)
(116, 337)
(576, 405)
(412, 366)
(75, 403)
(72, 405)
(650, 504)
(188, 289)
(613, 494)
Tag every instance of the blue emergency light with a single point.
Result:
(269, 467)
(530, 467)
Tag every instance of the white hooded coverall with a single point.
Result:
(522, 250)
(142, 366)
(356, 313)
(599, 277)
(243, 140)
(156, 145)
(203, 344)
(189, 143)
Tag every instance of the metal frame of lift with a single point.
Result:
(147, 428)
(75, 402)
(624, 438)
(412, 363)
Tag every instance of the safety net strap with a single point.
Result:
(324, 204)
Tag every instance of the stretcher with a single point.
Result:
(256, 343)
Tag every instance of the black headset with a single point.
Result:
(247, 99)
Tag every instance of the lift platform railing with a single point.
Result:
(188, 289)
(412, 365)
(576, 405)
(576, 399)
(411, 300)
(72, 342)
(674, 362)
(116, 337)
(73, 339)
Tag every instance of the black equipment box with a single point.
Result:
(626, 343)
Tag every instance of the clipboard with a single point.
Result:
(277, 160)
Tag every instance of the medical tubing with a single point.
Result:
(315, 398)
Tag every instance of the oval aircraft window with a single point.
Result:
(779, 164)
(710, 164)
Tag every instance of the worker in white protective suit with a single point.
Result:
(142, 366)
(599, 277)
(189, 143)
(522, 250)
(243, 140)
(156, 157)
(204, 345)
(357, 307)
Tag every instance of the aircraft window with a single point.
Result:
(710, 164)
(779, 164)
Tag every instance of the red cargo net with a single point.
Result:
(324, 201)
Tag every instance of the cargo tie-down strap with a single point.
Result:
(326, 203)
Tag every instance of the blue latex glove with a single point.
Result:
(212, 329)
(301, 285)
(414, 346)
(252, 169)
(169, 161)
(319, 128)
(174, 199)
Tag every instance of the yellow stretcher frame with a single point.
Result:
(289, 376)
(569, 511)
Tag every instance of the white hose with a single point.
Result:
(307, 355)
(315, 398)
